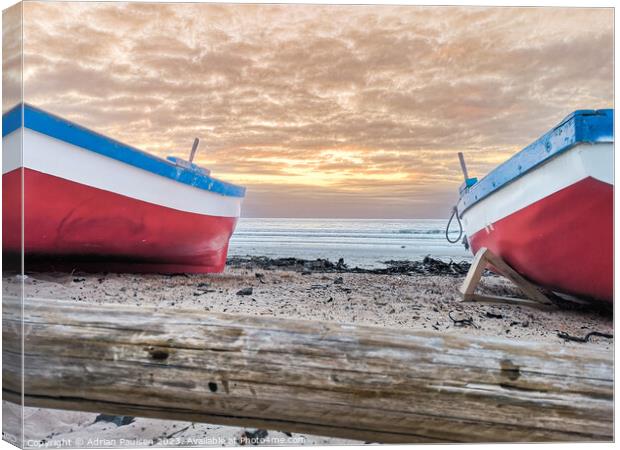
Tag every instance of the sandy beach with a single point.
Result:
(412, 295)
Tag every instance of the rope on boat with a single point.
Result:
(458, 219)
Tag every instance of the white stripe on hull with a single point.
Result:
(566, 169)
(11, 151)
(61, 159)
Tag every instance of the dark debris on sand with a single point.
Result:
(119, 421)
(427, 266)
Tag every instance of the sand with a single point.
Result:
(417, 301)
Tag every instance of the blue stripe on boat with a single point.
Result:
(11, 120)
(64, 130)
(582, 126)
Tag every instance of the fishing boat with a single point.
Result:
(548, 210)
(93, 203)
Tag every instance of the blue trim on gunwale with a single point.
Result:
(11, 120)
(64, 130)
(582, 126)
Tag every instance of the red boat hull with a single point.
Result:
(563, 242)
(68, 225)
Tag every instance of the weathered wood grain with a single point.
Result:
(359, 382)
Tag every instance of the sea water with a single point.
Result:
(361, 242)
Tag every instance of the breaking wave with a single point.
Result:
(419, 231)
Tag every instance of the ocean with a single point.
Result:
(361, 242)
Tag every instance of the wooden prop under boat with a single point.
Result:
(548, 210)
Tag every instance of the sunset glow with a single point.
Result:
(321, 111)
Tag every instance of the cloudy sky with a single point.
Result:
(321, 111)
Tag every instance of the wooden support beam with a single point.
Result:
(367, 383)
(485, 258)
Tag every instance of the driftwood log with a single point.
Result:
(359, 382)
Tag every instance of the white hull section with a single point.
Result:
(566, 169)
(61, 159)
